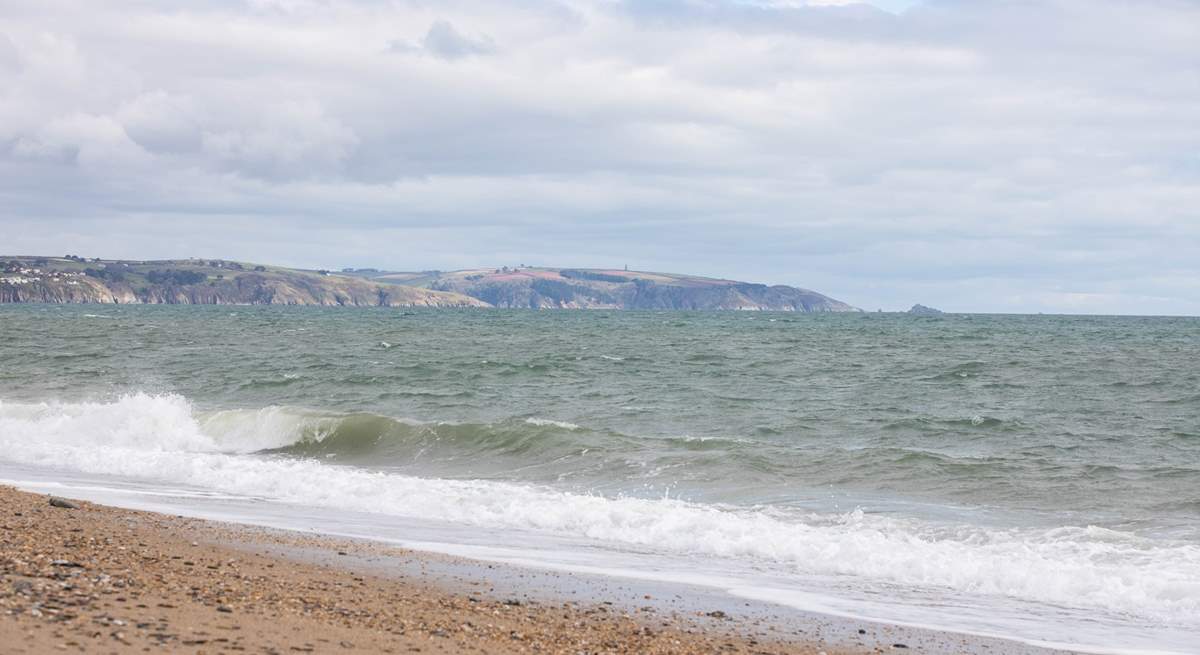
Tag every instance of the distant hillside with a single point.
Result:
(544, 288)
(73, 279)
(200, 282)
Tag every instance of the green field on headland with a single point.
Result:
(73, 279)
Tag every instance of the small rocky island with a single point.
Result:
(922, 310)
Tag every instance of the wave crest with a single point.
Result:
(163, 438)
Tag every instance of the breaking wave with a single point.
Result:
(254, 453)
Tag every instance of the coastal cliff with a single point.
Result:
(564, 288)
(74, 279)
(194, 282)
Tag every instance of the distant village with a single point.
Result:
(16, 272)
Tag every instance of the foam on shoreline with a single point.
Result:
(162, 438)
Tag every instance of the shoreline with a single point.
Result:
(97, 578)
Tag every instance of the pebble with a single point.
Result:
(135, 575)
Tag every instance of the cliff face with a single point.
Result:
(572, 288)
(62, 291)
(259, 289)
(742, 296)
(219, 282)
(186, 283)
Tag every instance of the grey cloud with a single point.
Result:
(446, 42)
(971, 155)
(442, 40)
(10, 57)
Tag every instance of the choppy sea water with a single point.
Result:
(1031, 476)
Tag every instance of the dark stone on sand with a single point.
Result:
(899, 645)
(225, 608)
(62, 502)
(512, 601)
(861, 631)
(718, 614)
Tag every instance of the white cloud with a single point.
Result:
(161, 121)
(81, 140)
(293, 139)
(974, 155)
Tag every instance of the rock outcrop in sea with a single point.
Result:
(922, 310)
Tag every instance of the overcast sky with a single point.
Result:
(1024, 156)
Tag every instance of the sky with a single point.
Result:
(990, 156)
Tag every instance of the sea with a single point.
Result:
(1030, 477)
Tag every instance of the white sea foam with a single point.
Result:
(161, 437)
(544, 422)
(250, 430)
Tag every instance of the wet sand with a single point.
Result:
(98, 579)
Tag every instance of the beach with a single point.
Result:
(709, 467)
(99, 579)
(831, 327)
(96, 579)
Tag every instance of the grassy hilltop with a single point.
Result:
(542, 288)
(73, 279)
(200, 282)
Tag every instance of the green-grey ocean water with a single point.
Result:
(1039, 474)
(1084, 420)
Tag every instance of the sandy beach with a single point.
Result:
(98, 579)
(828, 327)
